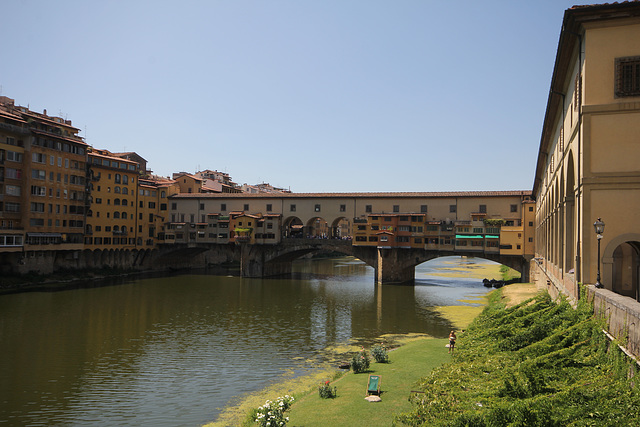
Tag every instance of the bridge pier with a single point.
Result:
(254, 262)
(392, 268)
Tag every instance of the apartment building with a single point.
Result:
(153, 210)
(14, 132)
(111, 218)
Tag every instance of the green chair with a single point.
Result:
(373, 387)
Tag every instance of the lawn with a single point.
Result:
(407, 365)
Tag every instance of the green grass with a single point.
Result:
(398, 378)
(541, 363)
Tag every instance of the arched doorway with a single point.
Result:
(341, 228)
(626, 269)
(317, 228)
(293, 227)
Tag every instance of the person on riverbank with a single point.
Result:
(452, 341)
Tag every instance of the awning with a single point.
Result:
(44, 235)
(492, 237)
(468, 236)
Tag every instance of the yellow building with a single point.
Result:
(587, 165)
(13, 192)
(111, 219)
(152, 210)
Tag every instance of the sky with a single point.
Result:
(315, 96)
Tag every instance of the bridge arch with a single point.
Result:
(293, 227)
(317, 228)
(341, 228)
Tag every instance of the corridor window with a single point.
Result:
(368, 208)
(317, 208)
(514, 208)
(292, 208)
(452, 208)
(628, 76)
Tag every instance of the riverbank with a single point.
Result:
(458, 316)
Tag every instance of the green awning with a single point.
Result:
(492, 237)
(469, 236)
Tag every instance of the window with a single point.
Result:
(39, 158)
(245, 207)
(316, 208)
(223, 207)
(423, 208)
(530, 223)
(35, 190)
(13, 156)
(14, 190)
(38, 174)
(396, 208)
(174, 206)
(514, 208)
(343, 208)
(37, 207)
(627, 76)
(269, 207)
(368, 209)
(483, 209)
(152, 205)
(292, 208)
(13, 173)
(452, 208)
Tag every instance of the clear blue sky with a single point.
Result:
(319, 96)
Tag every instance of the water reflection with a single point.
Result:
(174, 350)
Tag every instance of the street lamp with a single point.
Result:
(599, 228)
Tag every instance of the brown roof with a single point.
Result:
(449, 194)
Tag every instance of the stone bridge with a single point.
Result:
(391, 265)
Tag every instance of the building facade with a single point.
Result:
(587, 165)
(482, 222)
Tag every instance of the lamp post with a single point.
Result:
(599, 228)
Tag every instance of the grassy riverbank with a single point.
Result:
(408, 364)
(531, 363)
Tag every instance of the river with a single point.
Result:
(173, 351)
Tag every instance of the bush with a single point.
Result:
(272, 413)
(326, 391)
(379, 354)
(360, 362)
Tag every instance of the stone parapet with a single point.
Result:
(622, 315)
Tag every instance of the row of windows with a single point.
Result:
(343, 208)
(10, 240)
(60, 146)
(113, 164)
(39, 222)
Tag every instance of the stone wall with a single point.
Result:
(622, 315)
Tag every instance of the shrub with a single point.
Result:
(360, 362)
(272, 413)
(379, 354)
(326, 391)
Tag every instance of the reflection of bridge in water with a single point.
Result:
(391, 265)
